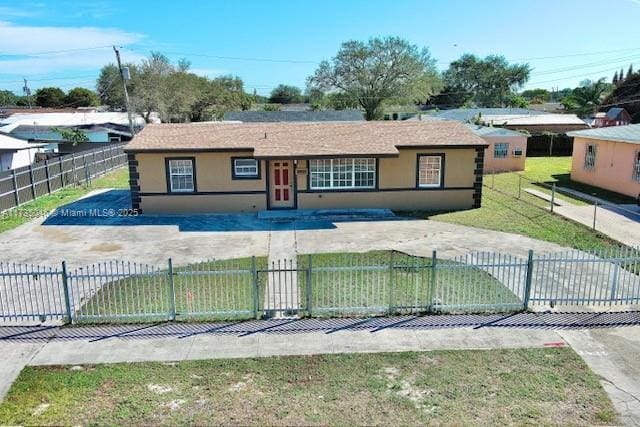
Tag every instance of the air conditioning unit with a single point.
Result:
(517, 152)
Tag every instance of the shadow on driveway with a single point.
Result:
(112, 208)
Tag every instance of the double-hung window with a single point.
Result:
(338, 174)
(590, 157)
(429, 171)
(246, 168)
(636, 167)
(181, 179)
(501, 150)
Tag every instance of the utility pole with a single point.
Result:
(126, 93)
(27, 92)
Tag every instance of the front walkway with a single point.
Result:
(618, 224)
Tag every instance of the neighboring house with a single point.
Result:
(99, 127)
(16, 153)
(507, 149)
(470, 114)
(536, 124)
(613, 117)
(295, 116)
(608, 158)
(247, 167)
(547, 107)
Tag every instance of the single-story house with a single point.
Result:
(247, 167)
(471, 114)
(16, 153)
(615, 116)
(100, 127)
(608, 158)
(295, 116)
(536, 124)
(506, 150)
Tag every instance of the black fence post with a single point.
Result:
(15, 187)
(172, 293)
(528, 280)
(391, 283)
(309, 299)
(432, 288)
(67, 293)
(256, 287)
(46, 172)
(33, 182)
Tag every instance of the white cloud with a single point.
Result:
(22, 48)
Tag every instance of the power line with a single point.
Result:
(235, 58)
(51, 52)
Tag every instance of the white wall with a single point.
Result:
(18, 159)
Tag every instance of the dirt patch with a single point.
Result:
(40, 409)
(405, 387)
(159, 388)
(105, 247)
(54, 234)
(174, 405)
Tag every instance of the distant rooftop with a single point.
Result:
(466, 114)
(295, 116)
(532, 119)
(495, 132)
(628, 133)
(9, 143)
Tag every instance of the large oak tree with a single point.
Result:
(378, 71)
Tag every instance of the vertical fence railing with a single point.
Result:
(28, 183)
(323, 285)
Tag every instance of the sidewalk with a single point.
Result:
(618, 227)
(604, 351)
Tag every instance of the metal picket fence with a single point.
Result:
(22, 185)
(321, 285)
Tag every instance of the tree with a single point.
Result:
(487, 82)
(7, 98)
(109, 85)
(626, 95)
(285, 94)
(584, 100)
(629, 71)
(72, 135)
(50, 97)
(150, 92)
(81, 97)
(517, 101)
(378, 71)
(536, 96)
(615, 78)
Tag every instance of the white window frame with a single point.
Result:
(590, 158)
(440, 165)
(495, 150)
(246, 171)
(370, 168)
(636, 167)
(176, 173)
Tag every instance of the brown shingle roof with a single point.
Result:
(303, 139)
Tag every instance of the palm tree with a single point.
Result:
(588, 97)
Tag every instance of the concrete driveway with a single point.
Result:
(100, 236)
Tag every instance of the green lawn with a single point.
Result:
(558, 170)
(482, 387)
(41, 206)
(213, 290)
(502, 211)
(363, 283)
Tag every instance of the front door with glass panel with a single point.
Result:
(281, 184)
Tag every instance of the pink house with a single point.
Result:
(507, 150)
(608, 158)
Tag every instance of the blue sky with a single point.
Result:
(586, 38)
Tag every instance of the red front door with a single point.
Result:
(281, 184)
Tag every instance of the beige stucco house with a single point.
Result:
(248, 167)
(506, 149)
(608, 158)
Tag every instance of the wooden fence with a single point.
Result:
(22, 185)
